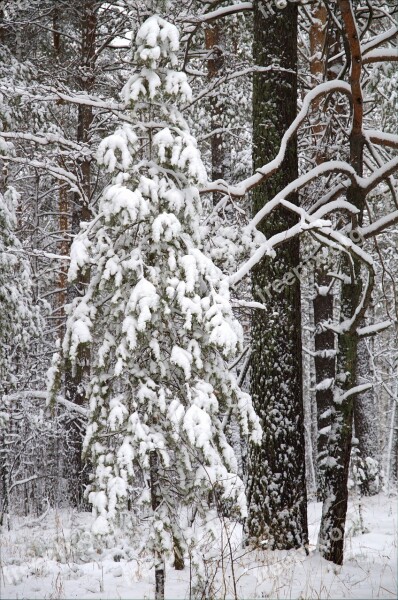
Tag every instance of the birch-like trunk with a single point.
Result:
(155, 502)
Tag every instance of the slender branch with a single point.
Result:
(40, 395)
(219, 13)
(269, 169)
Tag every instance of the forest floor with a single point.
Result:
(55, 558)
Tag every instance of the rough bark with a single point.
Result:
(276, 488)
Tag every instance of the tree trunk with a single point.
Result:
(156, 499)
(334, 512)
(366, 426)
(325, 367)
(213, 41)
(335, 491)
(74, 377)
(317, 40)
(323, 303)
(276, 484)
(4, 476)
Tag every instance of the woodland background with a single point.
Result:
(294, 109)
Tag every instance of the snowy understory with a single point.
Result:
(56, 558)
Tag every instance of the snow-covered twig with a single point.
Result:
(56, 171)
(373, 329)
(381, 55)
(39, 395)
(48, 138)
(218, 14)
(386, 36)
(358, 389)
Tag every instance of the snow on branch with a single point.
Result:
(379, 226)
(330, 196)
(39, 395)
(56, 171)
(248, 304)
(381, 55)
(331, 166)
(379, 175)
(219, 13)
(269, 169)
(22, 482)
(51, 94)
(373, 329)
(268, 247)
(88, 100)
(41, 253)
(381, 138)
(48, 138)
(335, 166)
(386, 36)
(349, 325)
(330, 236)
(358, 389)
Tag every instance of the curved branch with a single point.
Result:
(48, 138)
(269, 169)
(381, 55)
(386, 36)
(381, 138)
(219, 13)
(56, 172)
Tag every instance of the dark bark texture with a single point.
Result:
(276, 487)
(75, 377)
(325, 368)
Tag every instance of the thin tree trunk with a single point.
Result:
(213, 41)
(325, 366)
(323, 302)
(335, 491)
(334, 511)
(317, 40)
(75, 377)
(365, 424)
(156, 499)
(64, 248)
(4, 476)
(391, 454)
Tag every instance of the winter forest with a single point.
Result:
(198, 299)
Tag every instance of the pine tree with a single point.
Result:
(18, 323)
(157, 314)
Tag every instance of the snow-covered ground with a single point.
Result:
(55, 558)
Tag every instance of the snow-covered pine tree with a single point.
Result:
(18, 323)
(158, 315)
